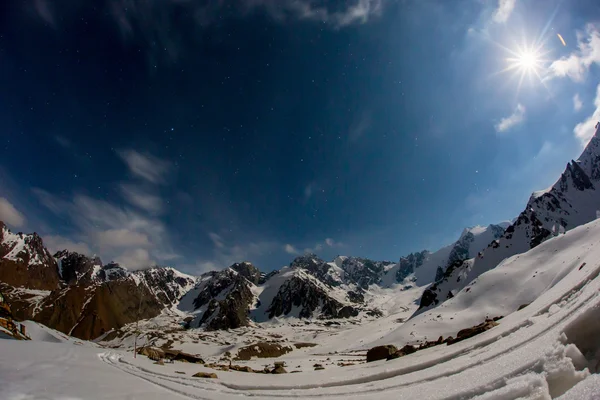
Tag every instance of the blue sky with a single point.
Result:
(198, 134)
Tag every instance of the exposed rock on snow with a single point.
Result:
(381, 352)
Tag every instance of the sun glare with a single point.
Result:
(528, 60)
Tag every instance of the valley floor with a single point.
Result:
(548, 349)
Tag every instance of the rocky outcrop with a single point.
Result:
(76, 294)
(248, 271)
(307, 298)
(262, 350)
(75, 268)
(25, 262)
(409, 264)
(381, 352)
(224, 298)
(363, 272)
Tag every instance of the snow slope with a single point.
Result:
(546, 350)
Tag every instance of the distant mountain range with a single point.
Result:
(82, 297)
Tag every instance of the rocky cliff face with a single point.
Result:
(222, 300)
(303, 296)
(572, 201)
(25, 262)
(78, 295)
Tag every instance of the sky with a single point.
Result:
(201, 133)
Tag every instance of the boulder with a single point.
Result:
(279, 370)
(211, 375)
(380, 352)
(241, 368)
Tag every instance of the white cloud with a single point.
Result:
(120, 238)
(135, 259)
(114, 232)
(142, 198)
(288, 248)
(576, 65)
(504, 11)
(10, 215)
(577, 103)
(586, 129)
(507, 123)
(55, 243)
(146, 166)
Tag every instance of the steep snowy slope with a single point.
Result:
(572, 201)
(424, 268)
(514, 286)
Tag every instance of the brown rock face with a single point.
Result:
(381, 352)
(88, 313)
(25, 262)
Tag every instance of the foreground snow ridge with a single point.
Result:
(545, 347)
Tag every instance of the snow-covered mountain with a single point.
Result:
(86, 298)
(24, 261)
(572, 201)
(78, 295)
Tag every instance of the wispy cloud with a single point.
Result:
(128, 236)
(160, 23)
(577, 64)
(586, 129)
(308, 191)
(114, 238)
(327, 243)
(288, 248)
(359, 127)
(63, 141)
(503, 11)
(146, 166)
(142, 197)
(577, 103)
(226, 253)
(55, 243)
(217, 240)
(10, 215)
(44, 11)
(507, 123)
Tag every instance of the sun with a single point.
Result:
(526, 61)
